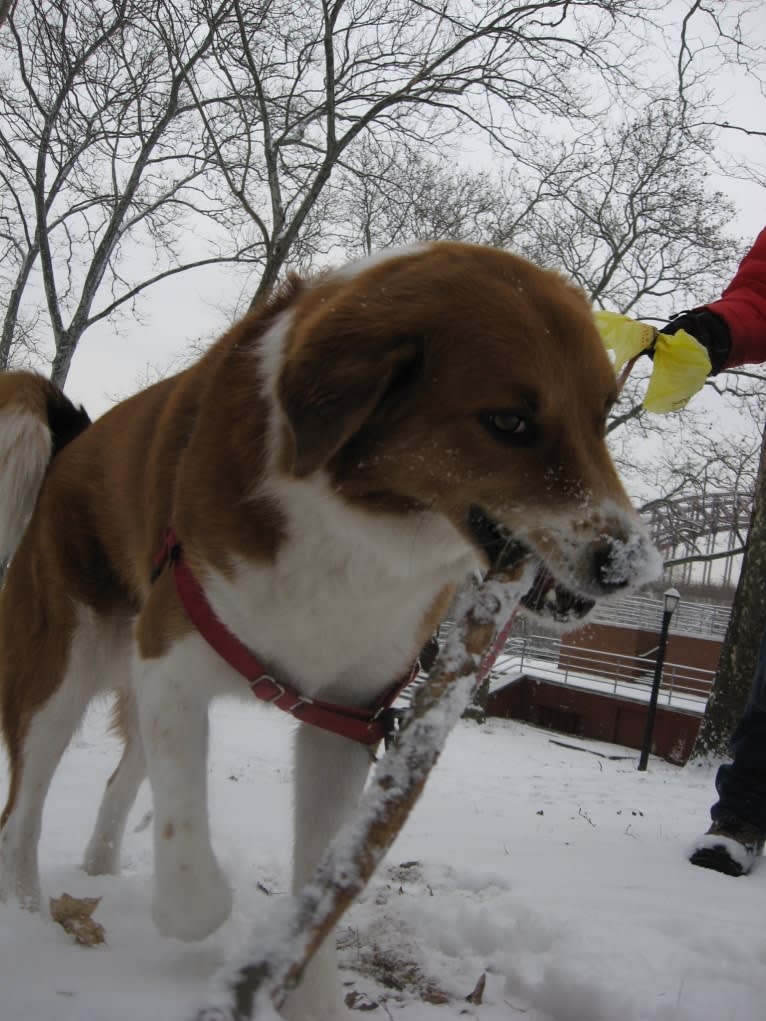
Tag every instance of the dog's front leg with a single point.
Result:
(330, 772)
(191, 895)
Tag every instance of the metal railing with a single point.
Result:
(706, 620)
(548, 658)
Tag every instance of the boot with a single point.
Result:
(729, 846)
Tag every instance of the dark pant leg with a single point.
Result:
(741, 785)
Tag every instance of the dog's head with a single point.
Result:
(465, 381)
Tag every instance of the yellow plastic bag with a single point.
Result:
(681, 366)
(624, 336)
(681, 363)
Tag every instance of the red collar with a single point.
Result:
(367, 726)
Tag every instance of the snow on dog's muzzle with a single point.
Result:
(598, 555)
(611, 565)
(570, 572)
(619, 564)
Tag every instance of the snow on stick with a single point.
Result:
(260, 986)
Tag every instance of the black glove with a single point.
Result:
(709, 329)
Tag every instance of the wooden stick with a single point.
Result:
(262, 984)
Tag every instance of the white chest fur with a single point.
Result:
(340, 609)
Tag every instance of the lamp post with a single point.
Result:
(671, 599)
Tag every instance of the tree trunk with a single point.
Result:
(62, 361)
(739, 654)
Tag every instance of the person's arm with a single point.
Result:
(733, 329)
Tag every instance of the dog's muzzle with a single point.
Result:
(610, 564)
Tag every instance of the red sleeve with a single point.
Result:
(743, 306)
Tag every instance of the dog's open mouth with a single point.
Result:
(503, 551)
(547, 597)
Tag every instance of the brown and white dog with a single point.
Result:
(333, 467)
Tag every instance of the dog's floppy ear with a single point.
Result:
(331, 384)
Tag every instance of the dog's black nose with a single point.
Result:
(611, 565)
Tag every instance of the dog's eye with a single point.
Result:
(507, 422)
(508, 426)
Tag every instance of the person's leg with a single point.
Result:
(736, 836)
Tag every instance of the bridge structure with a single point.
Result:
(701, 536)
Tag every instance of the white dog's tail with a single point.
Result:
(36, 421)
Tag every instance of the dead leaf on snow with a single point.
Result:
(359, 1001)
(73, 914)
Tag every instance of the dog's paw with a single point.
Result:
(190, 907)
(19, 880)
(26, 894)
(102, 858)
(319, 995)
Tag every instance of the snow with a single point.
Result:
(560, 874)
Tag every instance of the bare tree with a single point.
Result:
(631, 217)
(315, 86)
(261, 116)
(736, 667)
(626, 212)
(400, 196)
(722, 37)
(101, 163)
(123, 122)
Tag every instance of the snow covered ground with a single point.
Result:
(558, 873)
